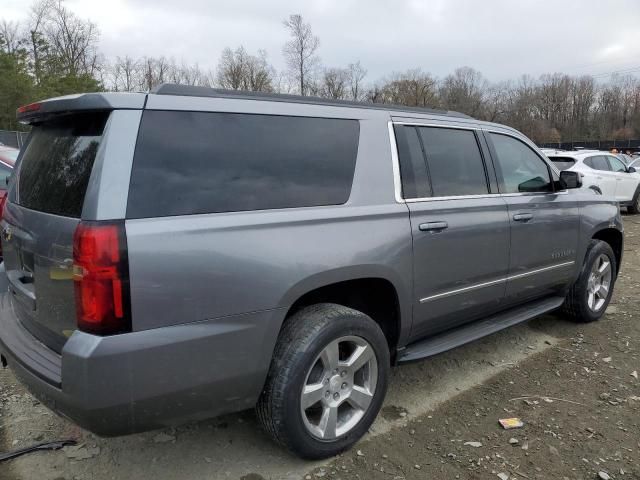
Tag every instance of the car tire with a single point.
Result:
(586, 301)
(634, 208)
(307, 342)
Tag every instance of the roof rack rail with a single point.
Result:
(196, 91)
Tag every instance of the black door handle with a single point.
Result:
(522, 217)
(433, 226)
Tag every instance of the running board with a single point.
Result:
(472, 331)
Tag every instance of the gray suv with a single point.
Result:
(191, 252)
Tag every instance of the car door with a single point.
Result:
(459, 224)
(605, 178)
(544, 223)
(626, 183)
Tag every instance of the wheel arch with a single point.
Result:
(372, 290)
(614, 238)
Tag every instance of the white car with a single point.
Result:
(603, 173)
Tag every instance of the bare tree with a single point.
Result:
(334, 83)
(259, 73)
(464, 90)
(10, 33)
(38, 49)
(357, 73)
(231, 68)
(73, 40)
(412, 88)
(300, 51)
(125, 75)
(237, 70)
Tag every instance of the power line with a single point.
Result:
(586, 65)
(615, 72)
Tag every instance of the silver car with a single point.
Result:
(190, 252)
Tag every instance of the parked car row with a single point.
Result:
(604, 173)
(8, 157)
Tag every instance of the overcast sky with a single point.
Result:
(501, 38)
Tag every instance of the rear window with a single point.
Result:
(200, 162)
(56, 165)
(563, 163)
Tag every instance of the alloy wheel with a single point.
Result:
(599, 283)
(339, 387)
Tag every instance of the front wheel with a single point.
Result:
(327, 381)
(590, 295)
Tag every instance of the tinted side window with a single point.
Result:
(522, 170)
(454, 162)
(56, 164)
(413, 169)
(199, 162)
(598, 162)
(616, 164)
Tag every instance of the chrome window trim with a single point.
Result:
(453, 197)
(438, 125)
(397, 181)
(395, 163)
(498, 281)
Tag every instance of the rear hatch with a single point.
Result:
(44, 208)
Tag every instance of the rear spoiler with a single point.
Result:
(40, 111)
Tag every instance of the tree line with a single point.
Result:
(54, 52)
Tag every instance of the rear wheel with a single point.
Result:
(590, 295)
(327, 381)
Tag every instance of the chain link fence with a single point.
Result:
(632, 145)
(13, 139)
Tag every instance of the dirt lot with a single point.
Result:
(575, 387)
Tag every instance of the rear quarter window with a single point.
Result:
(201, 162)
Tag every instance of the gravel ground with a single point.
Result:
(575, 387)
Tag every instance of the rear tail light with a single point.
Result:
(101, 278)
(32, 107)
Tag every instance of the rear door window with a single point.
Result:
(598, 162)
(201, 162)
(413, 168)
(454, 162)
(56, 164)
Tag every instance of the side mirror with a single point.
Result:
(631, 170)
(570, 179)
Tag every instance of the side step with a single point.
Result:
(472, 331)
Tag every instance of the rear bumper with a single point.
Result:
(145, 380)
